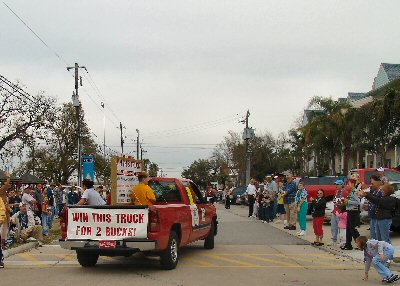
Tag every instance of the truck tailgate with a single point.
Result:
(105, 227)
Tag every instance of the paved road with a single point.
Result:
(247, 251)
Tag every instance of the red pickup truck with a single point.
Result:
(365, 175)
(180, 216)
(327, 183)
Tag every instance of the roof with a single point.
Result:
(31, 179)
(392, 70)
(360, 102)
(381, 91)
(3, 177)
(355, 95)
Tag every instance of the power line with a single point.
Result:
(36, 35)
(194, 126)
(59, 57)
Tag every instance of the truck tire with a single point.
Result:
(169, 257)
(87, 259)
(209, 240)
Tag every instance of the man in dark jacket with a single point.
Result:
(375, 190)
(385, 207)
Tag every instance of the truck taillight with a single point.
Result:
(64, 222)
(154, 221)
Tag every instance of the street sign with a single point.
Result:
(88, 167)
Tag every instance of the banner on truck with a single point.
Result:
(124, 176)
(107, 224)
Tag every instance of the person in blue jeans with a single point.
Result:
(334, 218)
(377, 253)
(384, 211)
(46, 212)
(375, 189)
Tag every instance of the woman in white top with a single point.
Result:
(90, 196)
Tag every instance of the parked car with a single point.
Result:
(238, 195)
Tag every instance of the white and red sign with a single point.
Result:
(107, 224)
(127, 172)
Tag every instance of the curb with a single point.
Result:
(19, 249)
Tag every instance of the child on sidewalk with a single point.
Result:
(318, 214)
(342, 215)
(377, 253)
(46, 213)
(280, 210)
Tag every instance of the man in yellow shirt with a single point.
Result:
(142, 194)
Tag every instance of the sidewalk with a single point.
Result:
(356, 255)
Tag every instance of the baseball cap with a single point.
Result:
(339, 182)
(380, 169)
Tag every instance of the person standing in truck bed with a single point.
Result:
(142, 194)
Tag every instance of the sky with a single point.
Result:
(184, 72)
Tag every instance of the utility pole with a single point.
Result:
(247, 135)
(122, 138)
(141, 152)
(77, 105)
(137, 144)
(104, 143)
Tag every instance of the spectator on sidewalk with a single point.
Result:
(352, 202)
(228, 199)
(13, 201)
(381, 175)
(26, 227)
(385, 207)
(378, 253)
(27, 199)
(302, 207)
(318, 214)
(290, 204)
(61, 199)
(38, 196)
(342, 215)
(46, 212)
(73, 196)
(340, 192)
(4, 215)
(251, 192)
(281, 214)
(272, 188)
(375, 190)
(52, 202)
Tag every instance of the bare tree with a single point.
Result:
(22, 116)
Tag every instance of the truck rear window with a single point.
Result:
(166, 191)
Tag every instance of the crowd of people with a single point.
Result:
(28, 213)
(284, 201)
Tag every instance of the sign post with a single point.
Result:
(124, 176)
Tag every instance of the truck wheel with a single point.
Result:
(87, 259)
(209, 240)
(170, 256)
